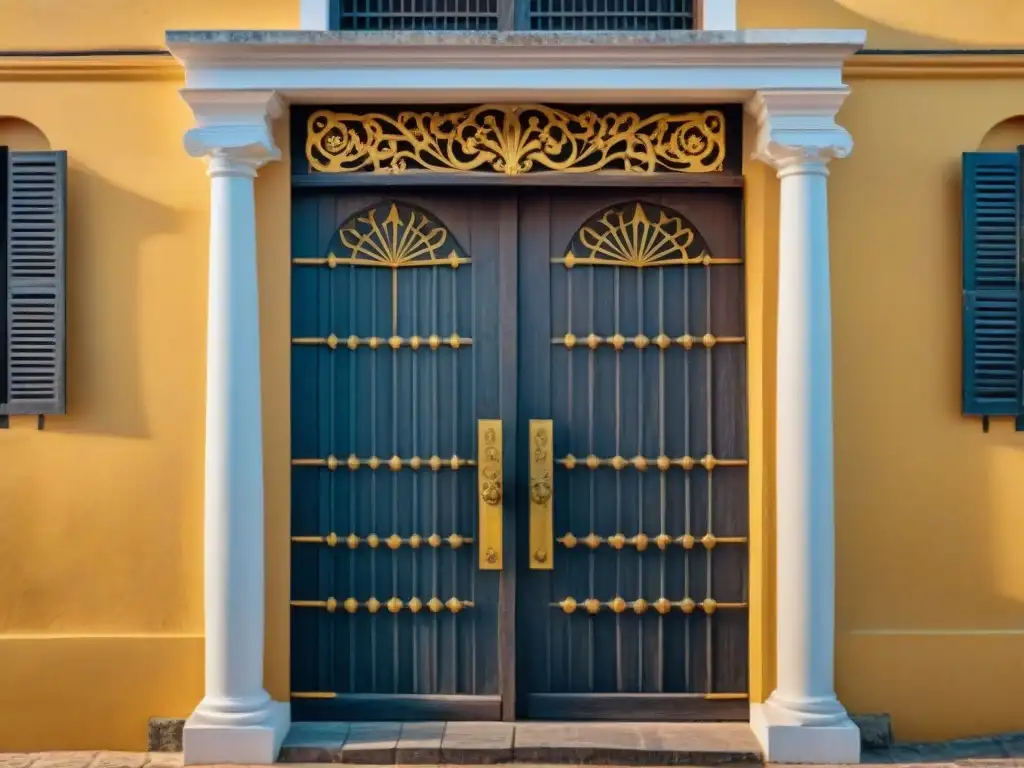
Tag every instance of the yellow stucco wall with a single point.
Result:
(101, 513)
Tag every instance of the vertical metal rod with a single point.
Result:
(640, 475)
(352, 382)
(331, 480)
(475, 574)
(687, 485)
(711, 450)
(373, 480)
(455, 482)
(618, 484)
(416, 525)
(394, 475)
(662, 476)
(436, 502)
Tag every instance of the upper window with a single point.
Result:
(539, 15)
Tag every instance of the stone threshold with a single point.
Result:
(468, 743)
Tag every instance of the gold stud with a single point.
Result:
(351, 605)
(568, 605)
(686, 340)
(373, 605)
(454, 341)
(662, 605)
(709, 540)
(454, 462)
(373, 540)
(618, 541)
(592, 540)
(332, 260)
(570, 462)
(455, 541)
(687, 605)
(709, 462)
(332, 605)
(593, 605)
(640, 606)
(353, 342)
(618, 463)
(394, 605)
(435, 605)
(570, 259)
(569, 541)
(618, 605)
(570, 340)
(434, 540)
(352, 462)
(395, 342)
(331, 540)
(454, 605)
(640, 463)
(708, 340)
(373, 342)
(394, 541)
(618, 341)
(415, 462)
(434, 341)
(640, 542)
(687, 541)
(352, 541)
(394, 464)
(662, 540)
(415, 605)
(709, 606)
(332, 462)
(663, 341)
(332, 341)
(641, 341)
(414, 342)
(664, 462)
(373, 463)
(593, 462)
(686, 462)
(414, 542)
(593, 341)
(435, 463)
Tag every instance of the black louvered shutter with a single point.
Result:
(35, 256)
(991, 287)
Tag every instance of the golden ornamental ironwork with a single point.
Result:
(395, 463)
(490, 518)
(515, 140)
(394, 541)
(541, 514)
(639, 235)
(642, 541)
(642, 463)
(392, 605)
(662, 341)
(662, 605)
(433, 342)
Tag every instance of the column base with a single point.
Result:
(785, 739)
(206, 742)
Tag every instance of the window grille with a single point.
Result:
(537, 15)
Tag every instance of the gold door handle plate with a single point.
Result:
(489, 480)
(542, 534)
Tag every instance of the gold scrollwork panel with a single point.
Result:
(515, 140)
(490, 481)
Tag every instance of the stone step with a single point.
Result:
(468, 743)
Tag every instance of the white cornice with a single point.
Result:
(374, 67)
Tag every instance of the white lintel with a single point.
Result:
(346, 67)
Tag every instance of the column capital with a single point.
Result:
(233, 129)
(797, 130)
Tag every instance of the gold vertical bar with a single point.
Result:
(489, 482)
(542, 535)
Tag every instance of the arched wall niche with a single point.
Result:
(21, 135)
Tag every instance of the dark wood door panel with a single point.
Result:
(396, 357)
(647, 596)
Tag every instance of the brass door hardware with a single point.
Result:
(542, 536)
(490, 483)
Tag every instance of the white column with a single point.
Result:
(315, 15)
(236, 722)
(718, 14)
(803, 721)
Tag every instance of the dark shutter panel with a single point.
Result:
(991, 198)
(36, 201)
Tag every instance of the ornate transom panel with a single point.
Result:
(516, 140)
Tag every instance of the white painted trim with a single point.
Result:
(718, 14)
(315, 15)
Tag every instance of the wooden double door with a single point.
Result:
(519, 441)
